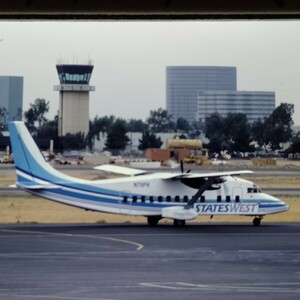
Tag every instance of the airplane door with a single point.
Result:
(237, 194)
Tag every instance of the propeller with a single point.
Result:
(182, 168)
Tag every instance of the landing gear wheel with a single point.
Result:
(256, 221)
(153, 221)
(179, 223)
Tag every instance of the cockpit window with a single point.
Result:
(255, 189)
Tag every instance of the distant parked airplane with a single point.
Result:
(179, 196)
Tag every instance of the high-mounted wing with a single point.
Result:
(179, 176)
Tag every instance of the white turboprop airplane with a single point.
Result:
(178, 196)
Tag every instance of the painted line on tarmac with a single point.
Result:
(280, 287)
(138, 246)
(51, 297)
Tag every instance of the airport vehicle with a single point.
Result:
(180, 196)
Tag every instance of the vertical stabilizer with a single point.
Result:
(29, 161)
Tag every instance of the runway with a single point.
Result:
(88, 262)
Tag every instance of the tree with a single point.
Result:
(41, 107)
(97, 126)
(228, 133)
(196, 128)
(30, 119)
(149, 140)
(182, 124)
(160, 121)
(3, 119)
(134, 125)
(278, 126)
(116, 136)
(258, 133)
(36, 114)
(102, 125)
(295, 144)
(237, 131)
(276, 129)
(74, 141)
(214, 131)
(49, 128)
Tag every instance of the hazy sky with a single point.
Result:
(130, 58)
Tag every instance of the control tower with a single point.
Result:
(74, 89)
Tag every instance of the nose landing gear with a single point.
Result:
(179, 223)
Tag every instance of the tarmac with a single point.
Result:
(88, 262)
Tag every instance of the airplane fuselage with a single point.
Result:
(146, 195)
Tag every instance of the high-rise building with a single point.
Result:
(74, 89)
(195, 92)
(184, 82)
(11, 96)
(256, 105)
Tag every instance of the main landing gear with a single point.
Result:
(257, 220)
(153, 221)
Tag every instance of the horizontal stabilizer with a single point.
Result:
(179, 213)
(120, 170)
(36, 186)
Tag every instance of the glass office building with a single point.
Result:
(256, 105)
(184, 82)
(11, 96)
(195, 92)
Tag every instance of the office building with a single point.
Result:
(184, 82)
(195, 92)
(11, 96)
(256, 105)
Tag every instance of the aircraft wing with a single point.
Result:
(179, 176)
(120, 170)
(166, 176)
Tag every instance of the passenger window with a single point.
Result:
(168, 199)
(125, 198)
(134, 198)
(237, 198)
(143, 198)
(202, 199)
(151, 199)
(219, 199)
(159, 198)
(227, 198)
(185, 198)
(177, 198)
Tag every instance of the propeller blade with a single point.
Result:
(181, 166)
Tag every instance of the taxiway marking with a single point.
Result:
(257, 287)
(139, 246)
